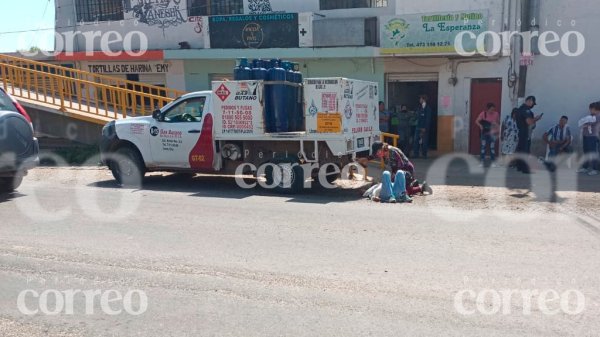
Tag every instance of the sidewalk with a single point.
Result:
(439, 171)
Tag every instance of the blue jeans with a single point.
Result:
(391, 191)
(488, 139)
(590, 147)
(423, 147)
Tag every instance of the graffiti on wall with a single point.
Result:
(259, 6)
(160, 13)
(198, 23)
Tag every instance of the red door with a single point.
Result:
(483, 91)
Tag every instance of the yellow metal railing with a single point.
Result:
(83, 94)
(395, 138)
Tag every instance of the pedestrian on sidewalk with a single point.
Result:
(413, 121)
(559, 138)
(526, 122)
(384, 118)
(421, 138)
(510, 136)
(404, 129)
(590, 126)
(489, 126)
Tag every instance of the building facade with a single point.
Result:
(408, 47)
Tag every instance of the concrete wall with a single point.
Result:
(262, 6)
(50, 122)
(179, 28)
(313, 6)
(339, 32)
(424, 6)
(167, 33)
(198, 72)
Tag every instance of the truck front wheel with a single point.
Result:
(285, 176)
(128, 167)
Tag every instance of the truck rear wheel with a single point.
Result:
(331, 176)
(286, 175)
(9, 184)
(128, 167)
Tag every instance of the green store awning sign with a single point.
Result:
(430, 33)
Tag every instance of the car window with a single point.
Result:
(6, 102)
(189, 110)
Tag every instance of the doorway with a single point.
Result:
(401, 92)
(483, 91)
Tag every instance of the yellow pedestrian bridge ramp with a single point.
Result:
(79, 95)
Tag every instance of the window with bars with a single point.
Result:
(99, 10)
(215, 7)
(341, 4)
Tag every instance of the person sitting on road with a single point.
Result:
(388, 192)
(396, 161)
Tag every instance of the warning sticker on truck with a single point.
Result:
(329, 123)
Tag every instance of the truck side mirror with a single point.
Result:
(156, 114)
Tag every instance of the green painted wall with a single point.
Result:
(197, 72)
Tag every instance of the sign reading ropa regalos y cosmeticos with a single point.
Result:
(274, 30)
(433, 33)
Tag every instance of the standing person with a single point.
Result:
(404, 129)
(394, 122)
(413, 121)
(526, 122)
(489, 125)
(590, 126)
(510, 135)
(384, 118)
(421, 138)
(559, 138)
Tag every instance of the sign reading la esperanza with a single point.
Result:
(430, 33)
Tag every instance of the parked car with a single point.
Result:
(18, 146)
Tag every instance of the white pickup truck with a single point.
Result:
(222, 130)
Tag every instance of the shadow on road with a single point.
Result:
(459, 174)
(225, 187)
(10, 196)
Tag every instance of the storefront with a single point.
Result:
(420, 58)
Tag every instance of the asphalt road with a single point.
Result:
(215, 260)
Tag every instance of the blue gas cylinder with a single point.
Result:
(259, 72)
(298, 103)
(242, 71)
(276, 106)
(291, 96)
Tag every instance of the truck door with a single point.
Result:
(179, 140)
